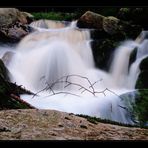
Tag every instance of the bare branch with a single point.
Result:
(67, 85)
(95, 83)
(65, 79)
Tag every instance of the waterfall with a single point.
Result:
(58, 60)
(119, 67)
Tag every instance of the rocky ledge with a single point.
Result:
(33, 124)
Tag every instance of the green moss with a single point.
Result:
(141, 107)
(142, 82)
(54, 16)
(96, 120)
(144, 64)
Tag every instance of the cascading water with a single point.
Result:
(58, 65)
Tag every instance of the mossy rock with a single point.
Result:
(7, 89)
(144, 64)
(142, 81)
(136, 103)
(10, 96)
(141, 106)
(110, 25)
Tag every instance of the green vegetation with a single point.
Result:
(95, 120)
(54, 16)
(141, 107)
(69, 16)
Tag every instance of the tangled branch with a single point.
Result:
(65, 79)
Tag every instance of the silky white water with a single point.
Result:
(57, 64)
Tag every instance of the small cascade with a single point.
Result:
(119, 67)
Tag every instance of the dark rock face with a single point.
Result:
(14, 24)
(10, 92)
(144, 64)
(103, 51)
(135, 16)
(4, 73)
(142, 81)
(132, 58)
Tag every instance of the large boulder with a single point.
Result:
(11, 15)
(13, 24)
(109, 24)
(91, 20)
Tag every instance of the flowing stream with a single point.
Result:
(57, 64)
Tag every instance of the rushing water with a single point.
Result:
(56, 62)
